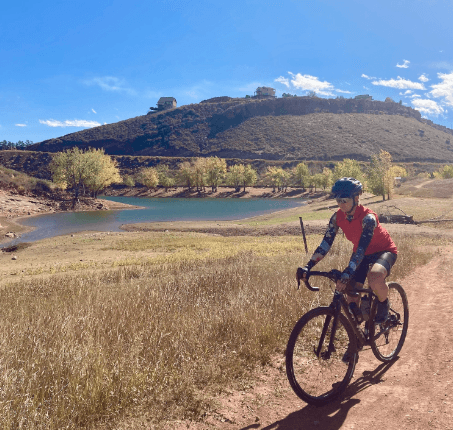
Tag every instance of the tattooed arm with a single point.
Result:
(369, 223)
(326, 243)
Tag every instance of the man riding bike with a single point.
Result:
(374, 251)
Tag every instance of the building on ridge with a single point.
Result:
(164, 103)
(363, 97)
(265, 92)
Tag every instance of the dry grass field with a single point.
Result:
(175, 319)
(100, 327)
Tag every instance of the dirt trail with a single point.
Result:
(414, 392)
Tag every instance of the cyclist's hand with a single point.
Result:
(345, 278)
(301, 273)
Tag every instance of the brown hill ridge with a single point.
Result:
(296, 128)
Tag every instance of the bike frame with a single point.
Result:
(338, 304)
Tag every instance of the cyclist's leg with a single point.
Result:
(380, 269)
(376, 280)
(359, 278)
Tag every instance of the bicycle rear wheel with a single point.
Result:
(388, 338)
(314, 374)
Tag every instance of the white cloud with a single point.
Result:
(282, 80)
(426, 106)
(92, 110)
(400, 83)
(444, 89)
(111, 83)
(80, 123)
(20, 125)
(405, 65)
(406, 93)
(367, 77)
(413, 96)
(311, 83)
(423, 78)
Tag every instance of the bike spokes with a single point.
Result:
(388, 337)
(316, 371)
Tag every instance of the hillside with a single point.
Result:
(297, 128)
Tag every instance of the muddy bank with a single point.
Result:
(15, 206)
(221, 193)
(229, 228)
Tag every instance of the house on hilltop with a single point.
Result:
(164, 103)
(363, 97)
(265, 92)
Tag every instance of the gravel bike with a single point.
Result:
(324, 345)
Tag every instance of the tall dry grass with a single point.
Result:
(80, 349)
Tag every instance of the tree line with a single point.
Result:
(90, 172)
(19, 145)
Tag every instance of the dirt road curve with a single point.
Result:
(414, 392)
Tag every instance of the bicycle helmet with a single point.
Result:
(347, 188)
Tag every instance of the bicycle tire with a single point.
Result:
(319, 380)
(387, 346)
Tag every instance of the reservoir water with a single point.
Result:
(154, 209)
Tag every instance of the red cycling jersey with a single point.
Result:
(381, 240)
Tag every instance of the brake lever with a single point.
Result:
(308, 285)
(335, 275)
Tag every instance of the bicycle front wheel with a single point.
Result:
(387, 338)
(316, 374)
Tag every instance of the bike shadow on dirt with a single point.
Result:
(333, 415)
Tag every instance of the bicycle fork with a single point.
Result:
(337, 303)
(336, 306)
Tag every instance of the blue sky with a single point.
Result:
(67, 66)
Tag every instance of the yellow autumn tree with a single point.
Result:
(215, 171)
(382, 174)
(278, 178)
(235, 176)
(301, 175)
(102, 171)
(185, 174)
(446, 172)
(348, 168)
(148, 177)
(81, 172)
(250, 176)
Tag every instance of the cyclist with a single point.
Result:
(374, 251)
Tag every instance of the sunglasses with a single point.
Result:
(343, 201)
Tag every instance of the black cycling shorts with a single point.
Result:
(385, 258)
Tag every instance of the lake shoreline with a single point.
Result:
(15, 207)
(221, 192)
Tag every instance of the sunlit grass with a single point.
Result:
(419, 209)
(158, 333)
(308, 216)
(206, 247)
